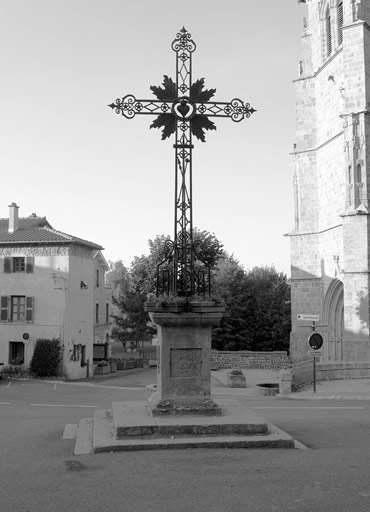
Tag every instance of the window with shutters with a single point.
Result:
(18, 264)
(340, 23)
(16, 308)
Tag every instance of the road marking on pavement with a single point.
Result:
(55, 386)
(299, 407)
(9, 384)
(63, 405)
(5, 403)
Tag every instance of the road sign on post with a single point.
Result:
(315, 341)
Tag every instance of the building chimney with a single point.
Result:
(13, 217)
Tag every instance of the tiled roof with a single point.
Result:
(37, 230)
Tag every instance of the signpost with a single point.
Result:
(308, 317)
(315, 341)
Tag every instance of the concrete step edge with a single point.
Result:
(84, 445)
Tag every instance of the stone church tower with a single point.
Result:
(330, 243)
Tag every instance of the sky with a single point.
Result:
(99, 176)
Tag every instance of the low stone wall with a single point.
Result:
(247, 359)
(334, 371)
(301, 374)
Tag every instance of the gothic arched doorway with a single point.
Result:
(333, 316)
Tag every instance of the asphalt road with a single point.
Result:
(39, 472)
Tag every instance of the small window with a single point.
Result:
(107, 312)
(76, 352)
(19, 264)
(18, 308)
(96, 313)
(16, 352)
(97, 279)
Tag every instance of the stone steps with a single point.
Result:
(129, 427)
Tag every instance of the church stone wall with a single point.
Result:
(331, 189)
(331, 240)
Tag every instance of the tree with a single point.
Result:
(144, 267)
(118, 278)
(132, 323)
(257, 315)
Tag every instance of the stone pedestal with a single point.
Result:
(184, 364)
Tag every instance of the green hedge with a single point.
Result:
(46, 357)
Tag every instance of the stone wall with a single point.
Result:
(247, 359)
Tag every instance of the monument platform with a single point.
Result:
(130, 426)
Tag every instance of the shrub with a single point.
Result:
(12, 371)
(102, 363)
(236, 372)
(46, 357)
(17, 361)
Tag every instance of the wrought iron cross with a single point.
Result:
(183, 108)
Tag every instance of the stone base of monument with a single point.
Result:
(182, 412)
(183, 406)
(130, 426)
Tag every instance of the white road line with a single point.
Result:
(9, 384)
(55, 386)
(322, 407)
(63, 405)
(5, 403)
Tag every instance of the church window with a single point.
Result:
(349, 174)
(358, 173)
(328, 33)
(340, 23)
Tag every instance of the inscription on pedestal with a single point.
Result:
(186, 362)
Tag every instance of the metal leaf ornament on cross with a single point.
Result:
(183, 108)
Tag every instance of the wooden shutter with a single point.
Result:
(5, 304)
(7, 265)
(340, 22)
(30, 261)
(328, 33)
(29, 309)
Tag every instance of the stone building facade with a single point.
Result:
(47, 290)
(330, 242)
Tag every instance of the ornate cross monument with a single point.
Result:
(183, 108)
